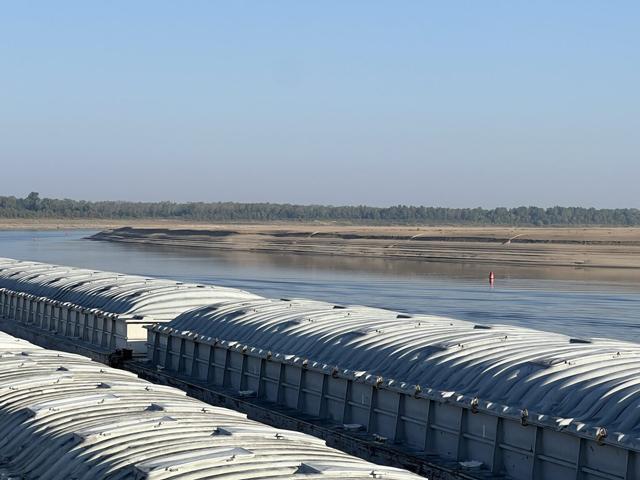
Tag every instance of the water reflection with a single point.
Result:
(398, 267)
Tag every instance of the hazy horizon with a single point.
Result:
(328, 205)
(341, 103)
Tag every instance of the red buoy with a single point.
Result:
(492, 278)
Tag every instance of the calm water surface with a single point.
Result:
(575, 302)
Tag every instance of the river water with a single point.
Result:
(576, 302)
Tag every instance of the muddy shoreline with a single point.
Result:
(591, 247)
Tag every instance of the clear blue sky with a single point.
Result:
(477, 103)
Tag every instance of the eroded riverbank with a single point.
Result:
(592, 247)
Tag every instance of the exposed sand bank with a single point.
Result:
(590, 247)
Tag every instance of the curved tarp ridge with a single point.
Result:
(593, 381)
(111, 292)
(63, 416)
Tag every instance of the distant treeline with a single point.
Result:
(33, 206)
